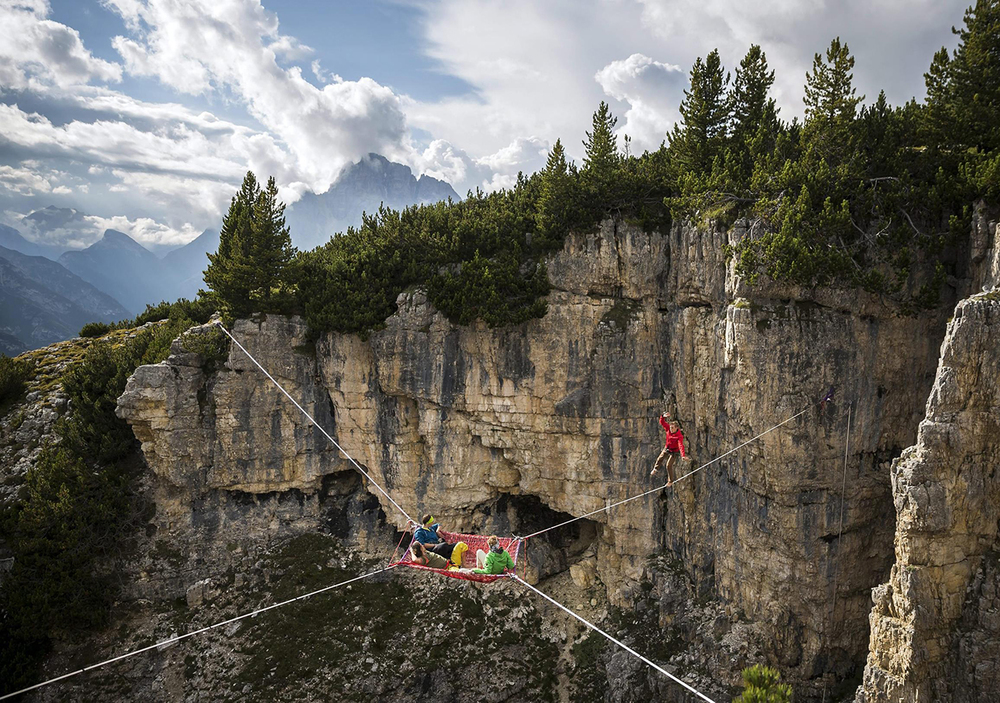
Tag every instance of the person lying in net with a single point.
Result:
(457, 555)
(420, 555)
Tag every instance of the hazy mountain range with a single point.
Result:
(12, 239)
(42, 302)
(49, 290)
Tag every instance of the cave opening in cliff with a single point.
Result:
(352, 513)
(550, 552)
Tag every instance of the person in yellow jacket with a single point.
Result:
(457, 554)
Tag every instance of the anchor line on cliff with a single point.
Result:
(178, 638)
(621, 644)
(316, 424)
(660, 488)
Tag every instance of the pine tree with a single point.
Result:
(555, 199)
(963, 93)
(755, 125)
(272, 250)
(248, 271)
(754, 110)
(831, 103)
(938, 124)
(601, 144)
(705, 116)
(750, 99)
(602, 162)
(762, 684)
(882, 132)
(229, 271)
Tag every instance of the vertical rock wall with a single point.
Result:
(234, 466)
(935, 631)
(561, 413)
(934, 626)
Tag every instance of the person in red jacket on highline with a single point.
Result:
(673, 446)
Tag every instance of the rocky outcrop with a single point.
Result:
(984, 246)
(203, 430)
(235, 467)
(935, 631)
(510, 430)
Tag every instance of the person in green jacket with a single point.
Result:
(496, 562)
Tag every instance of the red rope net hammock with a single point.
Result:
(475, 543)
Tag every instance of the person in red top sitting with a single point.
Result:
(673, 446)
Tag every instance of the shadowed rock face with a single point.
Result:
(935, 631)
(561, 413)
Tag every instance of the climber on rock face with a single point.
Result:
(673, 446)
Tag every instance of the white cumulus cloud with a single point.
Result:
(36, 51)
(233, 45)
(144, 230)
(23, 180)
(445, 161)
(652, 90)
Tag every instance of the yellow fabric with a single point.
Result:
(458, 552)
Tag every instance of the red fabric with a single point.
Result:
(469, 558)
(675, 440)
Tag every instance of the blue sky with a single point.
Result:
(373, 38)
(144, 114)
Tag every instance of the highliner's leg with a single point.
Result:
(659, 462)
(670, 468)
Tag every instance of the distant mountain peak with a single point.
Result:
(51, 213)
(363, 186)
(372, 165)
(13, 239)
(44, 302)
(121, 267)
(114, 235)
(50, 225)
(372, 157)
(114, 239)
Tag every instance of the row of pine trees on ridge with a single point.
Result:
(858, 194)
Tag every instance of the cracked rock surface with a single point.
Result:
(501, 430)
(935, 625)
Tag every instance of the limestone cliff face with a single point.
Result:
(235, 467)
(935, 631)
(984, 258)
(207, 431)
(514, 429)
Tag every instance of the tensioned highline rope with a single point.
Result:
(178, 638)
(315, 424)
(660, 488)
(624, 646)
